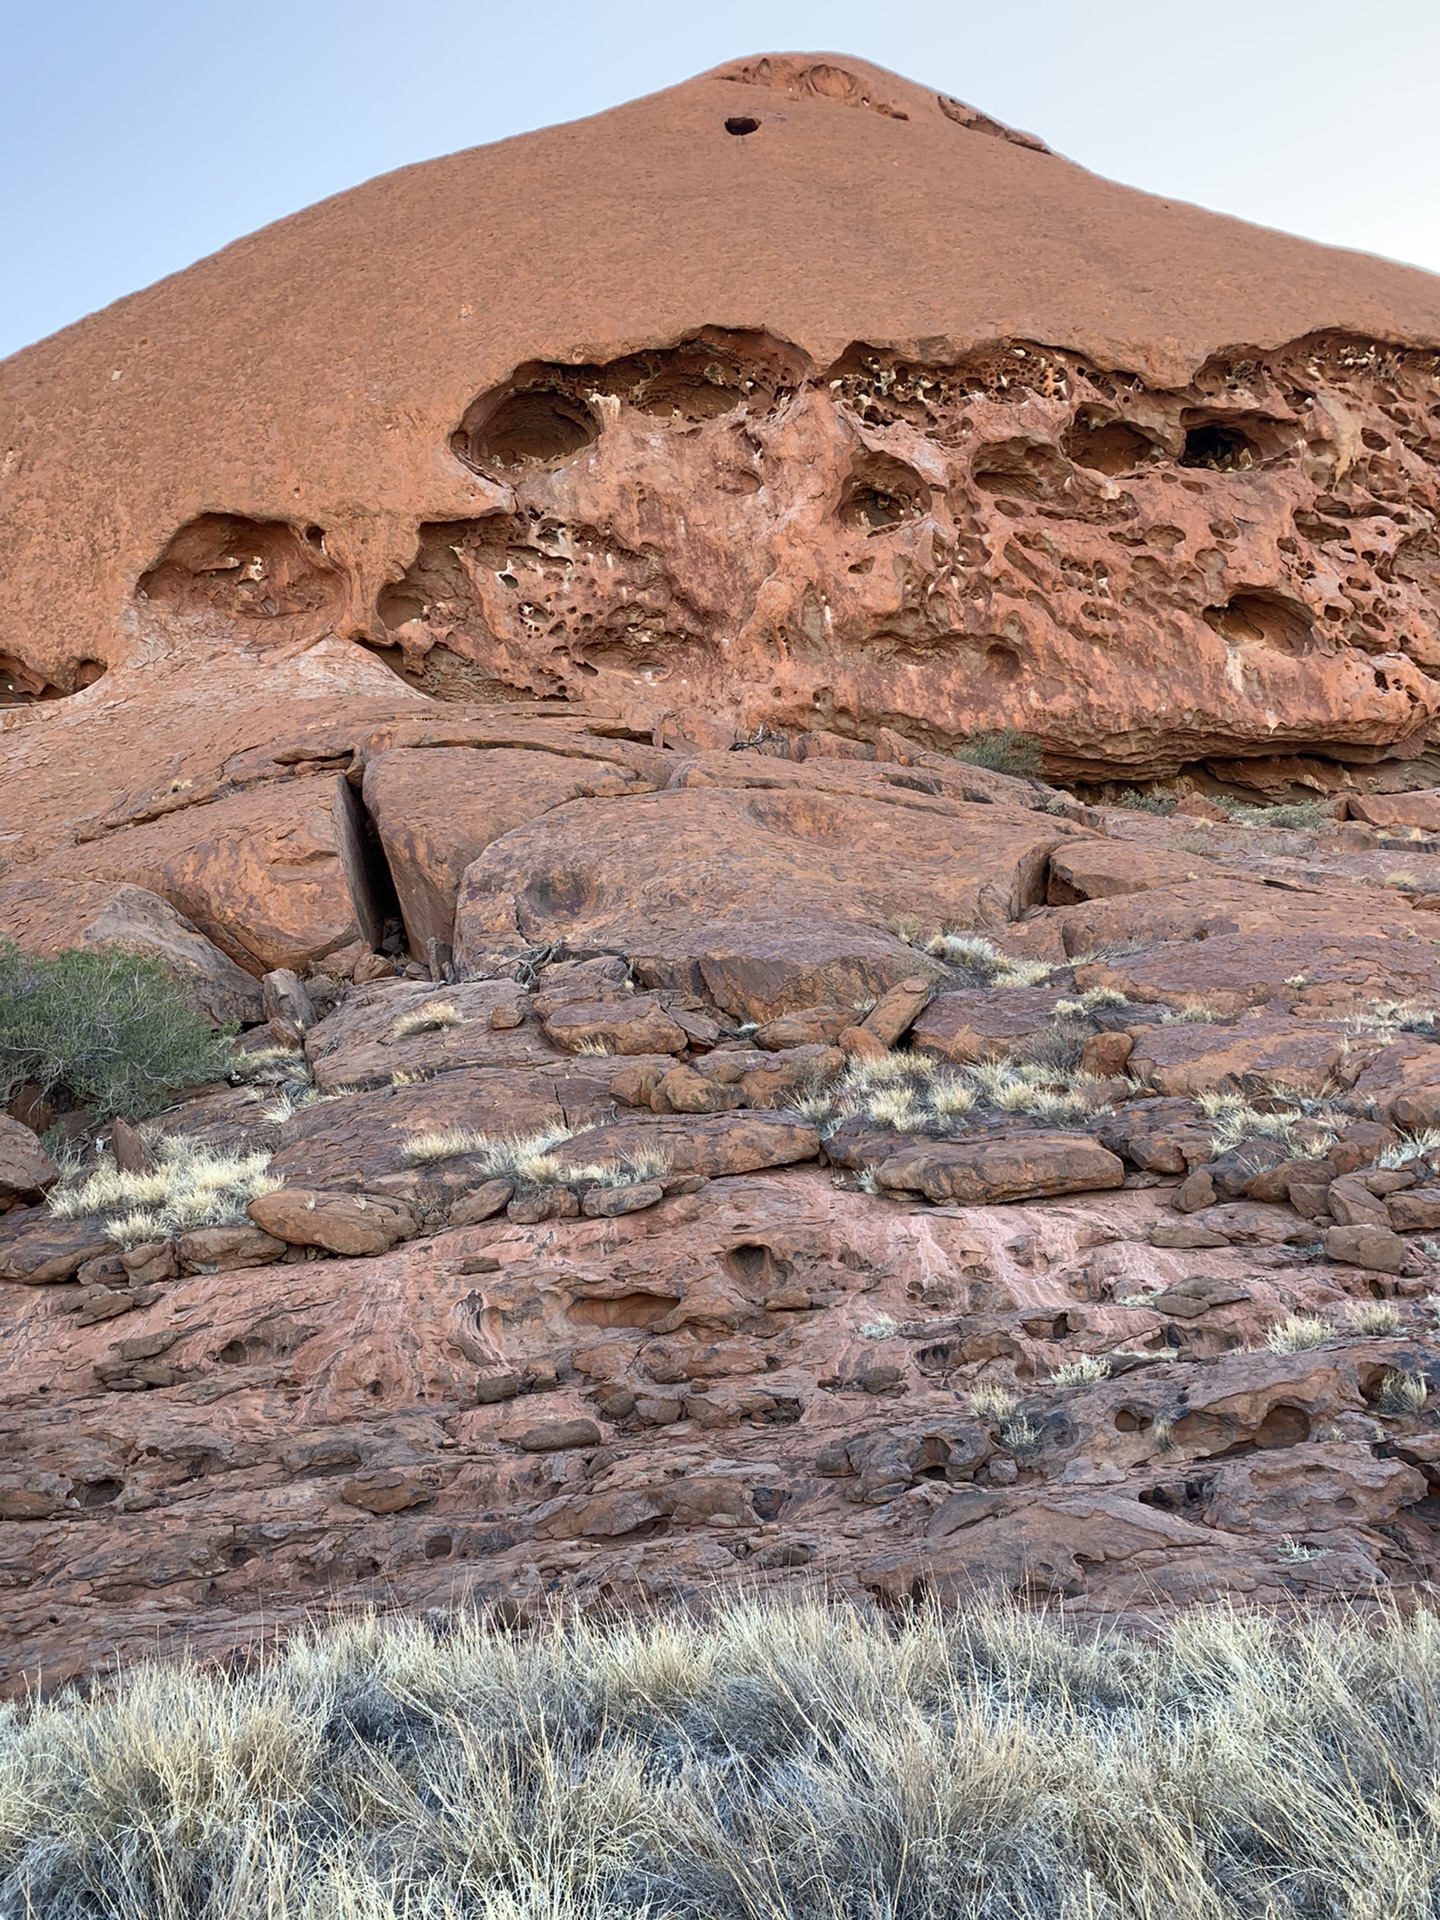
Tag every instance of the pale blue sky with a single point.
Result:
(139, 135)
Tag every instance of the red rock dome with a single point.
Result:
(799, 394)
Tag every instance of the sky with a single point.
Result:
(138, 137)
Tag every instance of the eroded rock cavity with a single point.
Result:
(1139, 577)
(271, 581)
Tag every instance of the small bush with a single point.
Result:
(1396, 1016)
(1095, 1000)
(1233, 1121)
(881, 1328)
(442, 1143)
(632, 1169)
(1152, 802)
(1194, 1013)
(992, 1402)
(110, 1028)
(1006, 751)
(981, 959)
(1306, 816)
(1019, 1437)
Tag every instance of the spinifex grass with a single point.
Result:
(754, 1763)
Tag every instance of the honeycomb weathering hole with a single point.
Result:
(534, 426)
(1222, 449)
(1107, 446)
(241, 569)
(741, 123)
(882, 492)
(546, 414)
(1258, 617)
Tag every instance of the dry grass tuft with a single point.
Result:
(992, 1402)
(981, 959)
(1411, 1147)
(1233, 1121)
(1194, 1013)
(1095, 1001)
(762, 1762)
(189, 1186)
(917, 1094)
(1388, 1017)
(632, 1169)
(1298, 1332)
(1373, 1317)
(1087, 1371)
(442, 1143)
(433, 1017)
(1402, 1394)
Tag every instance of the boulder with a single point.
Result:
(383, 1492)
(1403, 1081)
(26, 1170)
(1023, 1166)
(609, 1203)
(639, 1024)
(1297, 1490)
(1158, 1136)
(1250, 1223)
(439, 807)
(381, 1029)
(1186, 1058)
(681, 882)
(1318, 963)
(222, 1249)
(983, 1023)
(1103, 869)
(40, 1251)
(1375, 1247)
(257, 873)
(1420, 810)
(1351, 1204)
(1198, 1294)
(1185, 1235)
(351, 1141)
(554, 1436)
(807, 1026)
(481, 1203)
(895, 1012)
(1417, 1211)
(343, 1223)
(712, 1145)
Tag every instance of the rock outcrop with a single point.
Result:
(687, 1122)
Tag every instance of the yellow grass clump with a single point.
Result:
(756, 1762)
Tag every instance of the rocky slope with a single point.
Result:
(725, 1135)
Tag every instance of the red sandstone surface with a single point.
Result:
(550, 584)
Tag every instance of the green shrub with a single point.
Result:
(1152, 802)
(1308, 816)
(110, 1028)
(1008, 751)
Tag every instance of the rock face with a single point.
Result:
(704, 1128)
(852, 477)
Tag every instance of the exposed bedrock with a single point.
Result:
(1136, 577)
